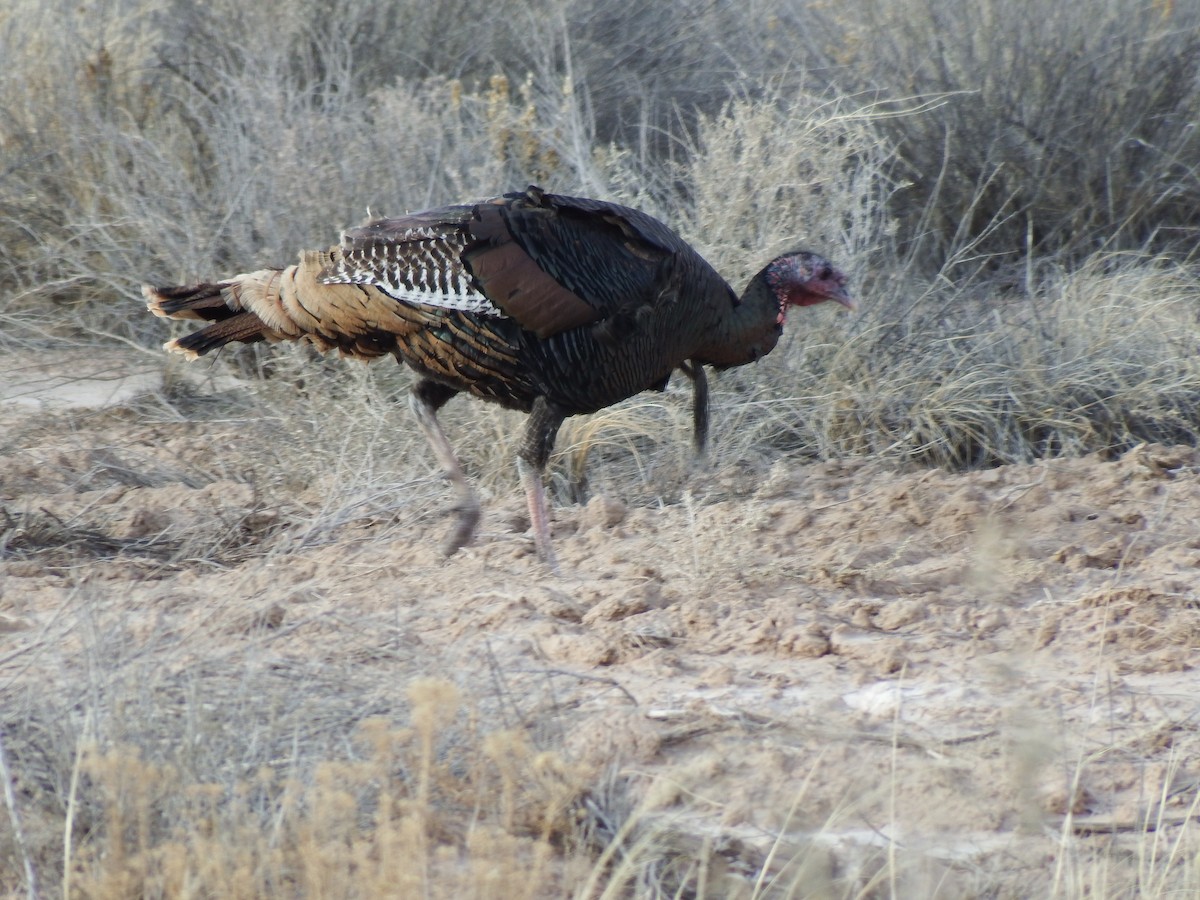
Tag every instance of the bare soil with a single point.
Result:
(972, 670)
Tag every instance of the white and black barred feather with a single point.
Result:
(421, 264)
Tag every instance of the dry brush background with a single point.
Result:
(924, 624)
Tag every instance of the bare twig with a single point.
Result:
(72, 795)
(1130, 826)
(10, 800)
(582, 677)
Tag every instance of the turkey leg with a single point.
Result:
(695, 371)
(542, 428)
(426, 399)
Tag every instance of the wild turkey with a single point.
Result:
(548, 304)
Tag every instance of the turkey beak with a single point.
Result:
(837, 292)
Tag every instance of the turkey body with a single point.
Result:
(548, 304)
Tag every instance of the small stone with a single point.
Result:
(8, 624)
(603, 512)
(270, 618)
(808, 642)
(612, 609)
(578, 649)
(1059, 799)
(879, 651)
(899, 613)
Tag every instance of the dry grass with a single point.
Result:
(959, 369)
(385, 821)
(280, 735)
(1057, 130)
(1101, 358)
(1015, 241)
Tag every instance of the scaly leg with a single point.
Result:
(426, 399)
(544, 420)
(695, 371)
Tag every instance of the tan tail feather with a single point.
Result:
(276, 305)
(244, 327)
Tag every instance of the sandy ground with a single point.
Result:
(974, 670)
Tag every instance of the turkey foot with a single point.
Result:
(468, 511)
(426, 399)
(544, 421)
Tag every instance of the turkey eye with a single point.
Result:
(826, 274)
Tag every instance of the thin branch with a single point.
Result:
(10, 800)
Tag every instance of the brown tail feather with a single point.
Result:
(188, 301)
(240, 310)
(243, 327)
